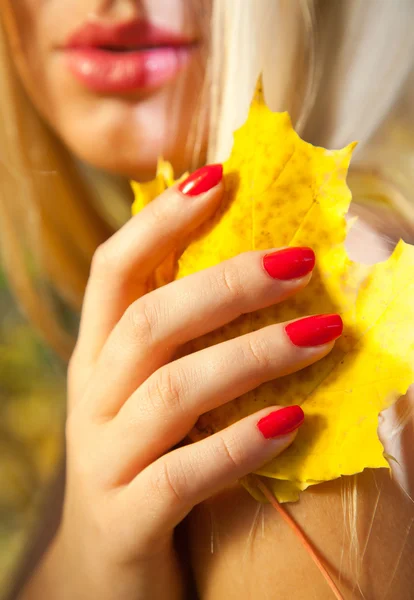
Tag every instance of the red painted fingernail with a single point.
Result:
(289, 263)
(315, 331)
(282, 421)
(202, 180)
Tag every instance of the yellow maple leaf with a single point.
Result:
(282, 191)
(145, 192)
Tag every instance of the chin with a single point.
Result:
(125, 162)
(127, 139)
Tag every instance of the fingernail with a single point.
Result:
(315, 331)
(281, 422)
(202, 180)
(289, 263)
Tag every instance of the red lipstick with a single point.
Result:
(126, 57)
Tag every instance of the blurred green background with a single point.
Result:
(32, 406)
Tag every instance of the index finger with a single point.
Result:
(122, 265)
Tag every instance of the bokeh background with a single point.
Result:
(32, 405)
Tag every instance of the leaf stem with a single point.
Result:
(300, 535)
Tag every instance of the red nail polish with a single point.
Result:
(315, 331)
(289, 263)
(281, 422)
(202, 180)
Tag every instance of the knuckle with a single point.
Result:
(230, 281)
(168, 483)
(142, 319)
(72, 366)
(258, 351)
(167, 389)
(229, 453)
(102, 260)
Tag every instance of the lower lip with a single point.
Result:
(106, 71)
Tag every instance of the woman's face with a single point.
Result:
(118, 80)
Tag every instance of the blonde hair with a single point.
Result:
(339, 68)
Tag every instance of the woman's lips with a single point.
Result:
(126, 57)
(108, 71)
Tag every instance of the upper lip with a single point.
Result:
(131, 34)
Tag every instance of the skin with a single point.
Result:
(139, 124)
(131, 401)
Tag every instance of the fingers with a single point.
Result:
(179, 480)
(122, 265)
(167, 405)
(155, 326)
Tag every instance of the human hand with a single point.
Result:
(131, 400)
